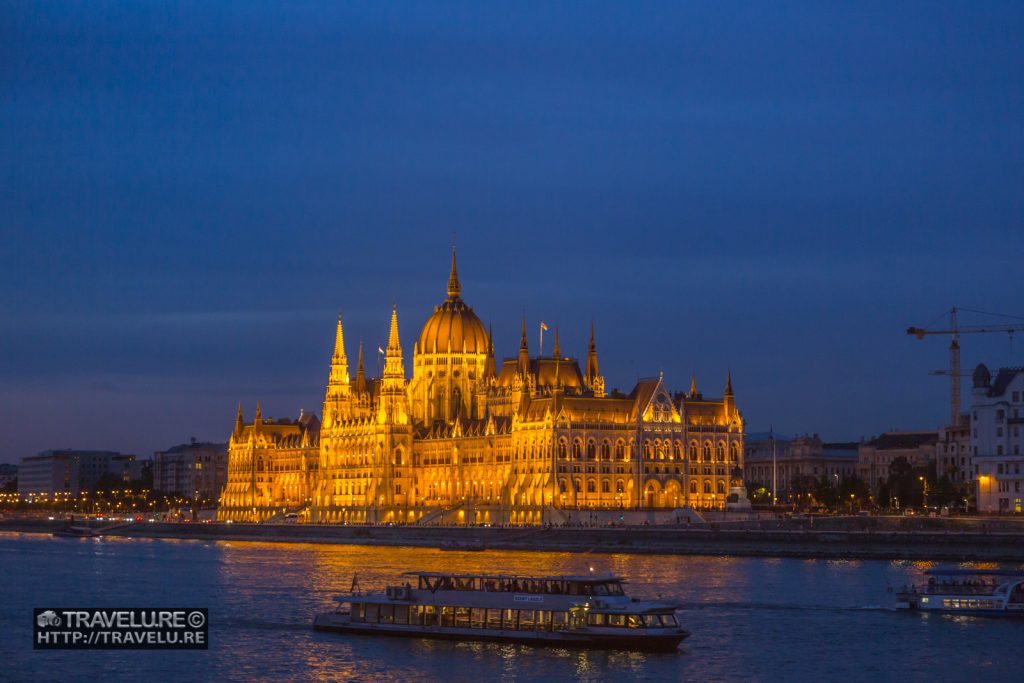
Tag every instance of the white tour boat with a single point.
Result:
(591, 611)
(993, 592)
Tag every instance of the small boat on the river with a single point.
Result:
(986, 592)
(590, 611)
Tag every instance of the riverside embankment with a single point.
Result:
(827, 538)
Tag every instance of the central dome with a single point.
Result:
(453, 323)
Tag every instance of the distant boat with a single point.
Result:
(465, 546)
(590, 611)
(981, 592)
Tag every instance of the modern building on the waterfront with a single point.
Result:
(997, 414)
(468, 440)
(876, 454)
(8, 474)
(789, 461)
(70, 472)
(196, 470)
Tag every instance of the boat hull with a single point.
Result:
(668, 641)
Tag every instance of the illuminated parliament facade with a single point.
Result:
(532, 441)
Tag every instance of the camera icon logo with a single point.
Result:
(48, 618)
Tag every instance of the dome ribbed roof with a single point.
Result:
(453, 322)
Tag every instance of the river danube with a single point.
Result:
(751, 619)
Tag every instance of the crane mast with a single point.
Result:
(954, 370)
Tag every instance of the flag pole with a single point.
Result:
(775, 498)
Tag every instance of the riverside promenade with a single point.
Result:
(948, 540)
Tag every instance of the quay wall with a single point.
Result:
(991, 543)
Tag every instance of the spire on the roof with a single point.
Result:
(339, 343)
(259, 414)
(557, 351)
(339, 378)
(693, 385)
(454, 289)
(393, 342)
(239, 420)
(592, 371)
(360, 373)
(728, 382)
(524, 352)
(393, 368)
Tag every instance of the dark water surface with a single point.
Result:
(751, 619)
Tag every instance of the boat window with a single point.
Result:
(447, 616)
(559, 620)
(597, 620)
(371, 614)
(429, 615)
(508, 619)
(477, 617)
(415, 615)
(651, 621)
(668, 620)
(635, 621)
(401, 614)
(526, 620)
(494, 618)
(387, 614)
(543, 620)
(462, 617)
(574, 588)
(600, 589)
(359, 612)
(616, 619)
(615, 588)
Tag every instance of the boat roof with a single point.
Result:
(523, 577)
(975, 572)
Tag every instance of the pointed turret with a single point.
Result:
(693, 385)
(728, 382)
(339, 361)
(360, 372)
(557, 351)
(258, 420)
(524, 353)
(592, 370)
(393, 367)
(454, 289)
(239, 420)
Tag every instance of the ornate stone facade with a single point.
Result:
(466, 441)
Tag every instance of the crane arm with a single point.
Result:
(966, 329)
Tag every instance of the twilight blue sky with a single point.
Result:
(189, 191)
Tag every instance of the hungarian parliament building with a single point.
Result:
(536, 440)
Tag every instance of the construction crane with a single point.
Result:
(955, 331)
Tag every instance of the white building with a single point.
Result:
(997, 415)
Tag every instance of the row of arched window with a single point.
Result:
(592, 486)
